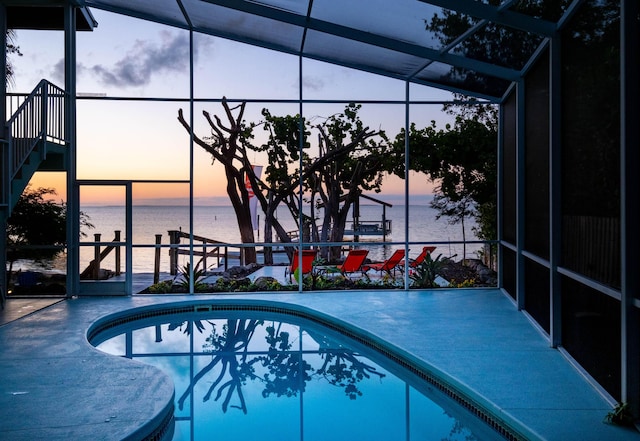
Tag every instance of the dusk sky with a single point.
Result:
(126, 57)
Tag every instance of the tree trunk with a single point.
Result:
(268, 236)
(243, 214)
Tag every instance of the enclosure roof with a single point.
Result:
(44, 16)
(468, 46)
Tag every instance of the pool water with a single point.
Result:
(248, 375)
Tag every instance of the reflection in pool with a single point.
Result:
(246, 375)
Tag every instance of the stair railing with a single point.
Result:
(39, 117)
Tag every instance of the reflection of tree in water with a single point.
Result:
(459, 432)
(229, 349)
(287, 373)
(342, 367)
(189, 326)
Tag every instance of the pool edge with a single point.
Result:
(495, 417)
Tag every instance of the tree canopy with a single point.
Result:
(36, 229)
(462, 160)
(348, 161)
(11, 49)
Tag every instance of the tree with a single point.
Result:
(490, 42)
(37, 227)
(340, 183)
(229, 144)
(349, 161)
(11, 49)
(457, 207)
(462, 160)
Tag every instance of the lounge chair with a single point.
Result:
(308, 256)
(388, 265)
(353, 262)
(423, 255)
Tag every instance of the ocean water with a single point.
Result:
(219, 223)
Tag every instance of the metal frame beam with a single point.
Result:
(73, 196)
(629, 203)
(520, 194)
(496, 14)
(353, 34)
(555, 191)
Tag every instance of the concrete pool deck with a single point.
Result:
(56, 386)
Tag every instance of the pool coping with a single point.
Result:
(378, 316)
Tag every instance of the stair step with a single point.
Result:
(56, 159)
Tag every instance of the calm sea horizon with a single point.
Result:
(218, 222)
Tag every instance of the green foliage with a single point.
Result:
(37, 228)
(350, 161)
(462, 160)
(198, 275)
(468, 283)
(233, 285)
(11, 49)
(164, 287)
(425, 273)
(620, 415)
(493, 42)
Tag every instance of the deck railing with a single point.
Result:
(39, 117)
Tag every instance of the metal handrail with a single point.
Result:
(39, 117)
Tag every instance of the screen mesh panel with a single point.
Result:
(591, 332)
(509, 271)
(536, 297)
(591, 144)
(537, 159)
(510, 170)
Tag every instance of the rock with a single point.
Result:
(265, 283)
(474, 269)
(240, 271)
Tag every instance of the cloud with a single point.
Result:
(145, 60)
(313, 83)
(140, 63)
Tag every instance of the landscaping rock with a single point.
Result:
(265, 283)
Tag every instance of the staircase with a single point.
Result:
(35, 141)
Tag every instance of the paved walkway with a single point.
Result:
(57, 387)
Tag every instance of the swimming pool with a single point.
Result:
(246, 372)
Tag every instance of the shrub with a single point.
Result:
(425, 273)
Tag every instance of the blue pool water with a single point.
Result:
(248, 375)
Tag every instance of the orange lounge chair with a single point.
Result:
(388, 265)
(423, 255)
(308, 256)
(353, 262)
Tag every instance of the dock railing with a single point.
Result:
(92, 271)
(210, 248)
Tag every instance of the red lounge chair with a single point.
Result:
(423, 255)
(388, 265)
(308, 256)
(353, 262)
